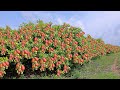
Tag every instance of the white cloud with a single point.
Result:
(79, 24)
(53, 16)
(28, 15)
(76, 21)
(60, 21)
(35, 15)
(103, 24)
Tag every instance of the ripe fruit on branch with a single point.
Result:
(7, 63)
(1, 65)
(36, 48)
(76, 54)
(62, 59)
(33, 60)
(26, 52)
(18, 51)
(36, 58)
(17, 65)
(1, 74)
(51, 49)
(11, 57)
(4, 64)
(3, 51)
(33, 49)
(66, 68)
(22, 67)
(53, 59)
(82, 60)
(35, 39)
(76, 42)
(44, 60)
(58, 72)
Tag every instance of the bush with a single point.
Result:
(48, 47)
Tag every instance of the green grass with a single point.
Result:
(99, 68)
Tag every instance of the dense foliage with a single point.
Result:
(48, 47)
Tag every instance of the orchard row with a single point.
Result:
(47, 46)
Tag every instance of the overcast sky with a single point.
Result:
(99, 24)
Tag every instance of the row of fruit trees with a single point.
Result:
(48, 47)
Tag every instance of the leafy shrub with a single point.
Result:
(48, 47)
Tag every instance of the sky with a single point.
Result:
(99, 24)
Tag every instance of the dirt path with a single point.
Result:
(115, 67)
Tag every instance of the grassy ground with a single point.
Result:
(106, 67)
